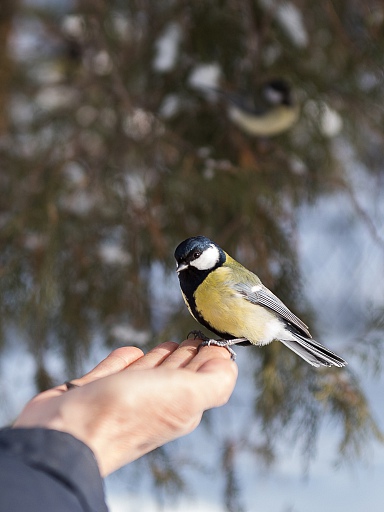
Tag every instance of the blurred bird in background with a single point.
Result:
(272, 111)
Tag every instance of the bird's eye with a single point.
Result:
(196, 255)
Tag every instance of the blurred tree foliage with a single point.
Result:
(110, 156)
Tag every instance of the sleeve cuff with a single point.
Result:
(62, 456)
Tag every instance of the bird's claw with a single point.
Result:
(219, 343)
(198, 334)
(207, 342)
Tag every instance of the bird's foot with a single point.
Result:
(219, 343)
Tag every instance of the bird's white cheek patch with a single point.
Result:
(273, 96)
(207, 260)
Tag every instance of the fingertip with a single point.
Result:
(171, 346)
(116, 361)
(221, 364)
(222, 374)
(129, 354)
(192, 343)
(156, 356)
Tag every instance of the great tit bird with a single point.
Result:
(275, 112)
(233, 303)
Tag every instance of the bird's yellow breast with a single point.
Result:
(227, 311)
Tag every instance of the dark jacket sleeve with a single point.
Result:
(48, 471)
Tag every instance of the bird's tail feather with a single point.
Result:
(313, 352)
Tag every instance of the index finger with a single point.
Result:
(115, 362)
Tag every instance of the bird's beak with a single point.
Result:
(180, 267)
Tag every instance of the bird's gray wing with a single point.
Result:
(260, 295)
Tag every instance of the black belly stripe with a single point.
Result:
(190, 279)
(197, 315)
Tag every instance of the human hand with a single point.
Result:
(131, 403)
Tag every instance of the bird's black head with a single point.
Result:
(278, 92)
(198, 253)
